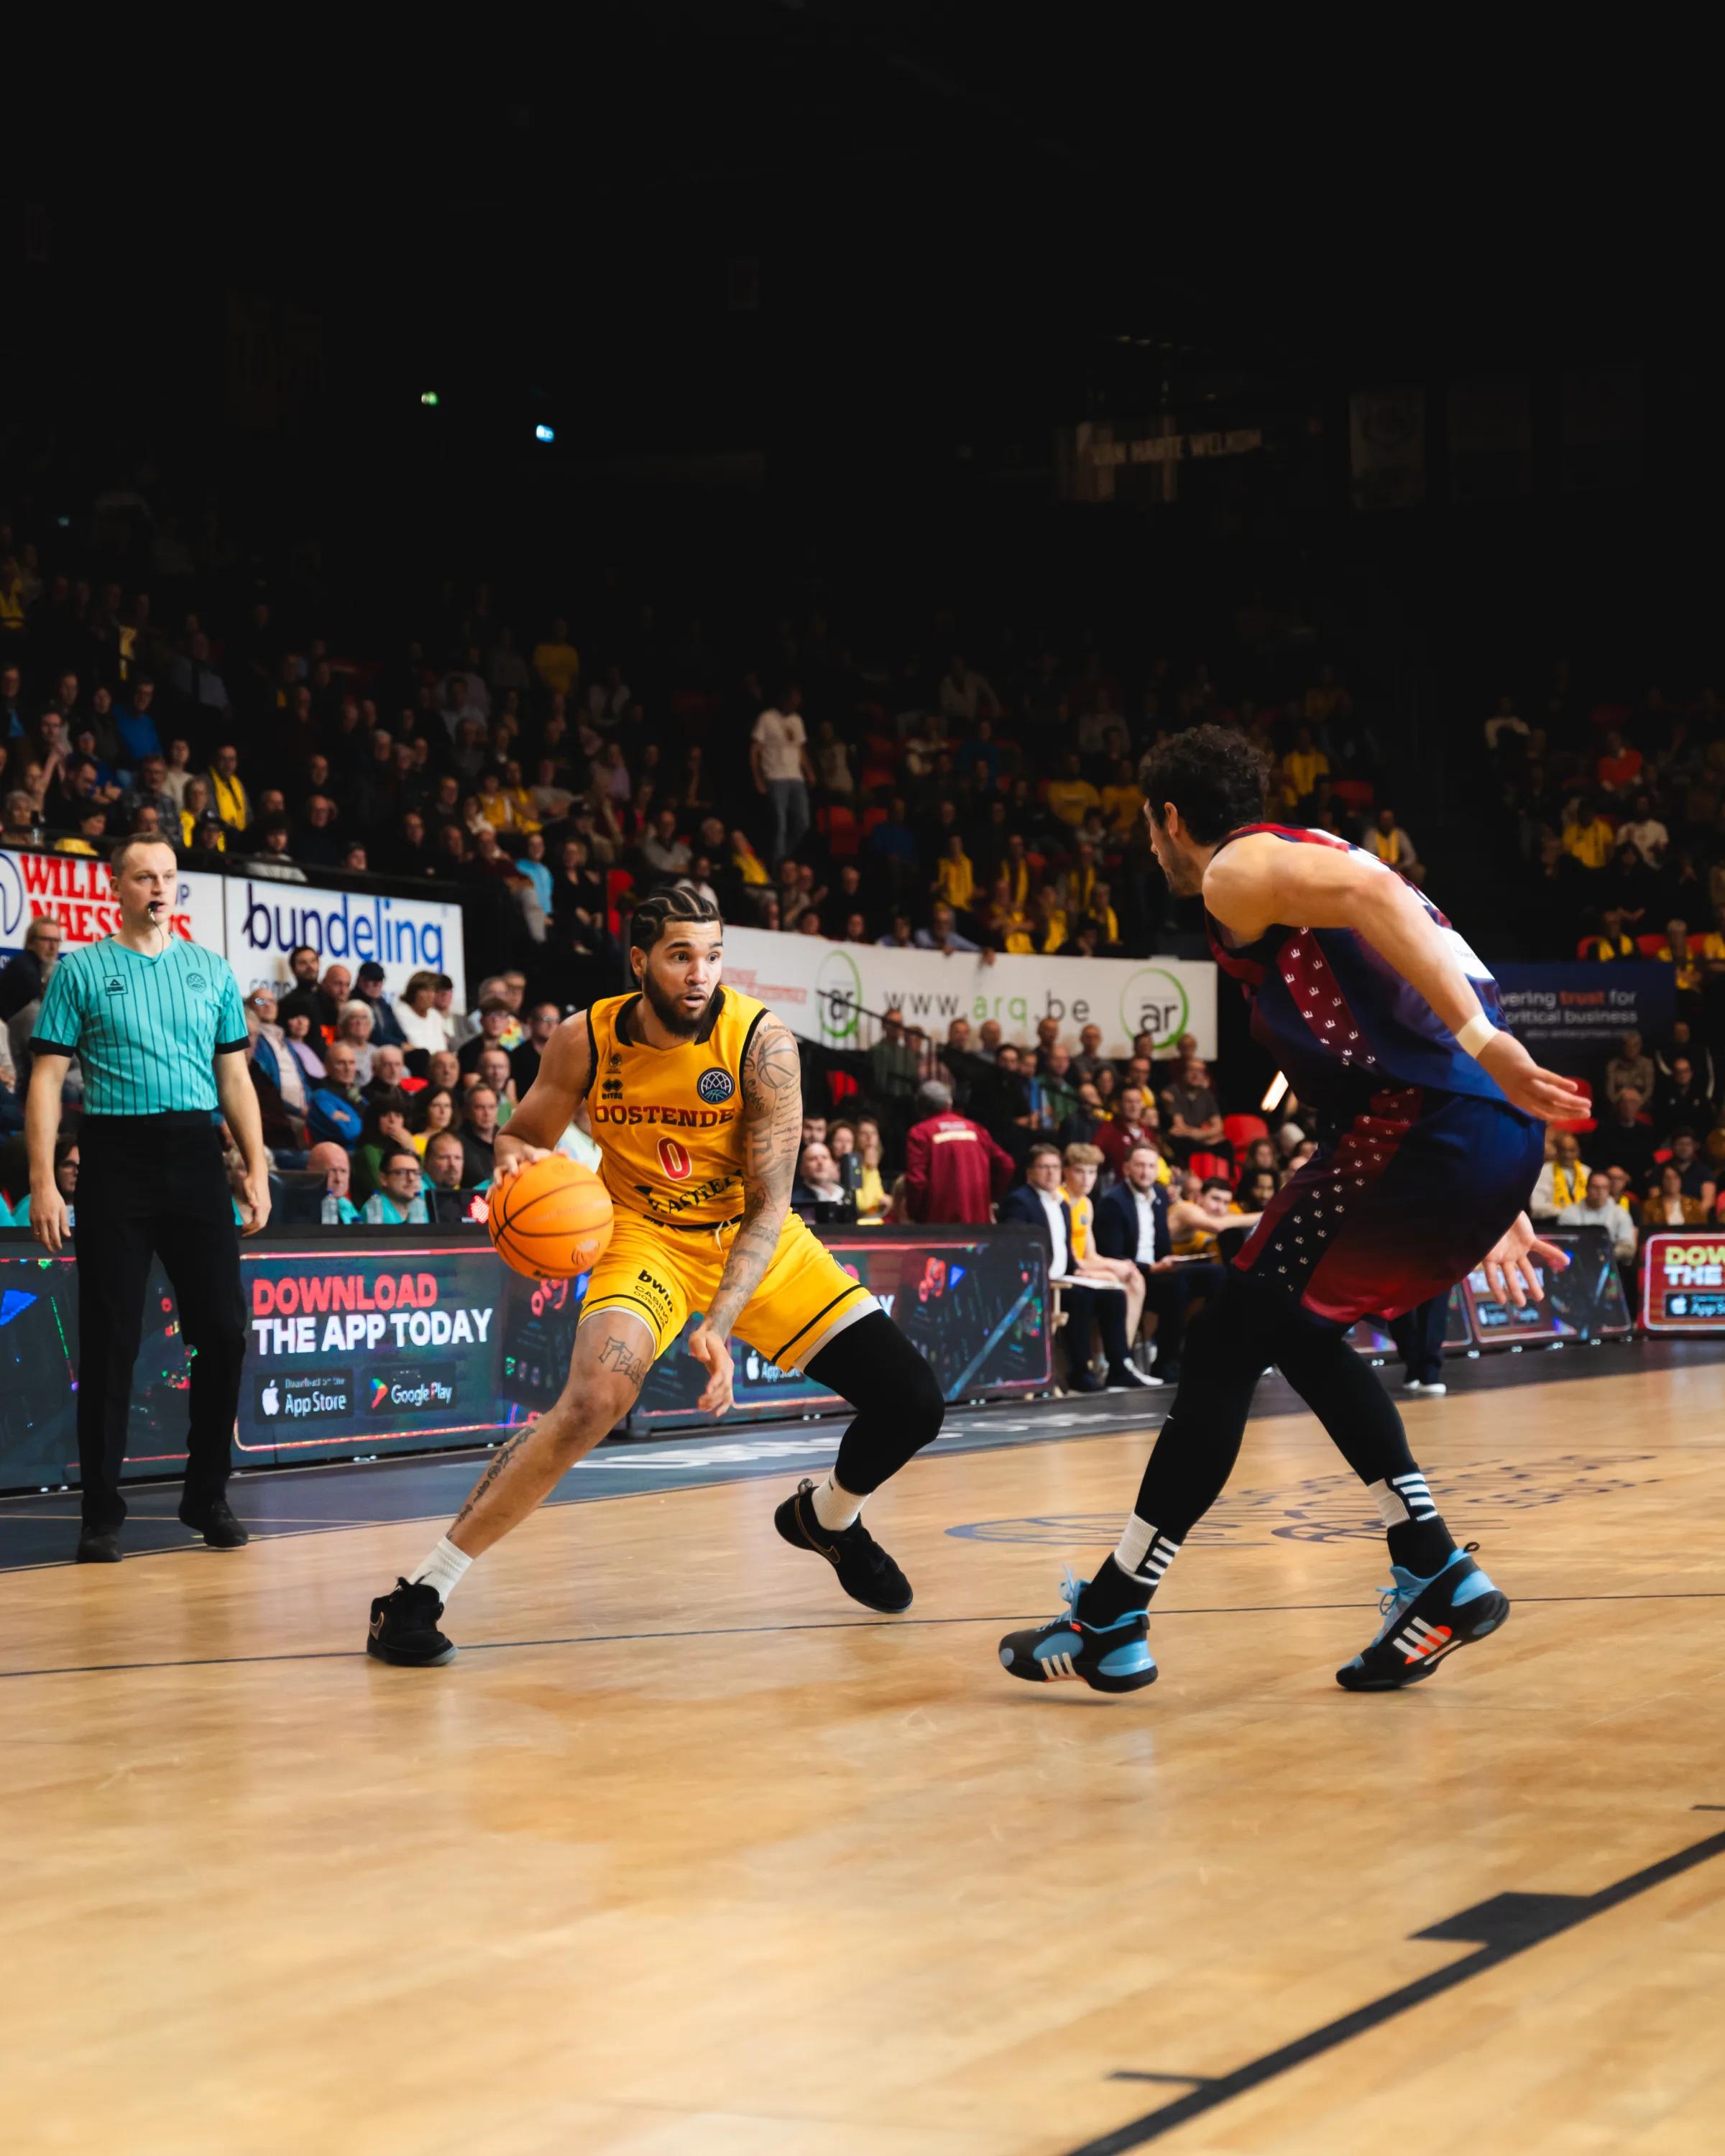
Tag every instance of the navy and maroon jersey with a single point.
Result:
(1338, 1018)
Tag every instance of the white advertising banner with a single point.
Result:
(821, 989)
(266, 920)
(76, 890)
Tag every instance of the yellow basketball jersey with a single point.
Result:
(669, 1120)
(1081, 1219)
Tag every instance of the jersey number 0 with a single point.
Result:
(674, 1160)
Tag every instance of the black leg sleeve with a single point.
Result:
(1196, 1448)
(1343, 1390)
(899, 1404)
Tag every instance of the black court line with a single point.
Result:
(1506, 1925)
(806, 1625)
(423, 1487)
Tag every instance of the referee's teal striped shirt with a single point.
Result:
(147, 1031)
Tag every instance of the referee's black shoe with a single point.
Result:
(99, 1546)
(216, 1524)
(404, 1627)
(865, 1571)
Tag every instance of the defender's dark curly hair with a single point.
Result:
(664, 909)
(1213, 775)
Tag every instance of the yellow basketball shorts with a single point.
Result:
(662, 1273)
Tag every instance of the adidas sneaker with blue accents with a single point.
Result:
(1424, 1620)
(1113, 1657)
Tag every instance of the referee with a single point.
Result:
(158, 1024)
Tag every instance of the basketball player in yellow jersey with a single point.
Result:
(695, 1098)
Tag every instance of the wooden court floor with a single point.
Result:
(687, 1857)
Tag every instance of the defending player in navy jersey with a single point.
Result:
(1384, 1020)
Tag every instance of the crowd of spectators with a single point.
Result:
(922, 801)
(905, 798)
(1615, 812)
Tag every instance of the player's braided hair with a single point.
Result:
(1213, 775)
(655, 914)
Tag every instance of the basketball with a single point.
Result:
(552, 1220)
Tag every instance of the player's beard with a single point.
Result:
(670, 1013)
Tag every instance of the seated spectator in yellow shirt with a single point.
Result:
(1123, 800)
(557, 662)
(1590, 837)
(1070, 795)
(1615, 942)
(1047, 923)
(1005, 925)
(954, 877)
(1101, 910)
(521, 809)
(1303, 766)
(1387, 839)
(1712, 946)
(1675, 952)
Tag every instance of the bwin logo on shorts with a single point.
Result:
(715, 1085)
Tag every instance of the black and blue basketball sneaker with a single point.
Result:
(1112, 1657)
(1424, 1620)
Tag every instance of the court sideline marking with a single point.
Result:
(810, 1625)
(1505, 1925)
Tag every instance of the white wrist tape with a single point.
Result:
(1474, 1035)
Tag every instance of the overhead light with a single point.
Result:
(428, 397)
(542, 433)
(1277, 1088)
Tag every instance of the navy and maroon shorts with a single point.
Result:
(1410, 1197)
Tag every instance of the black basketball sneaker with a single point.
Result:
(865, 1571)
(404, 1627)
(1425, 1620)
(1112, 1657)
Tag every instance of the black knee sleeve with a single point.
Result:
(899, 1404)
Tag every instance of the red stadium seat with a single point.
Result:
(1240, 1131)
(1355, 793)
(1650, 947)
(837, 825)
(1207, 1164)
(871, 817)
(619, 884)
(1584, 948)
(1583, 1122)
(840, 1085)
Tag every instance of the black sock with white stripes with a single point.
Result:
(1131, 1575)
(1419, 1541)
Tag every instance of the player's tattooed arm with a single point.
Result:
(772, 1130)
(565, 1072)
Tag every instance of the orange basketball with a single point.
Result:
(552, 1220)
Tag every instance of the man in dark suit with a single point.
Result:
(1040, 1203)
(1133, 1222)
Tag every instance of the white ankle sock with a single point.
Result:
(442, 1569)
(834, 1506)
(1144, 1553)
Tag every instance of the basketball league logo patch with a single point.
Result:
(715, 1085)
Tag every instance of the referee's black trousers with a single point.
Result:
(154, 1184)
